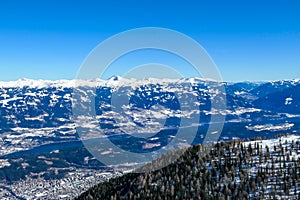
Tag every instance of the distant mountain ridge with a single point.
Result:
(46, 107)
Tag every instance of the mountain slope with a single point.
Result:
(235, 170)
(286, 100)
(274, 86)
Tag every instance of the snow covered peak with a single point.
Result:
(24, 82)
(113, 81)
(115, 78)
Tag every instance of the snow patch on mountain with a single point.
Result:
(270, 127)
(288, 101)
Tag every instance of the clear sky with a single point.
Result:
(248, 40)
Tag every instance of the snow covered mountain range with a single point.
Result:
(35, 112)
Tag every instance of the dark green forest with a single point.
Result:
(237, 169)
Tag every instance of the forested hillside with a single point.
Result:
(238, 169)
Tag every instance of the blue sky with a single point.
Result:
(248, 40)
